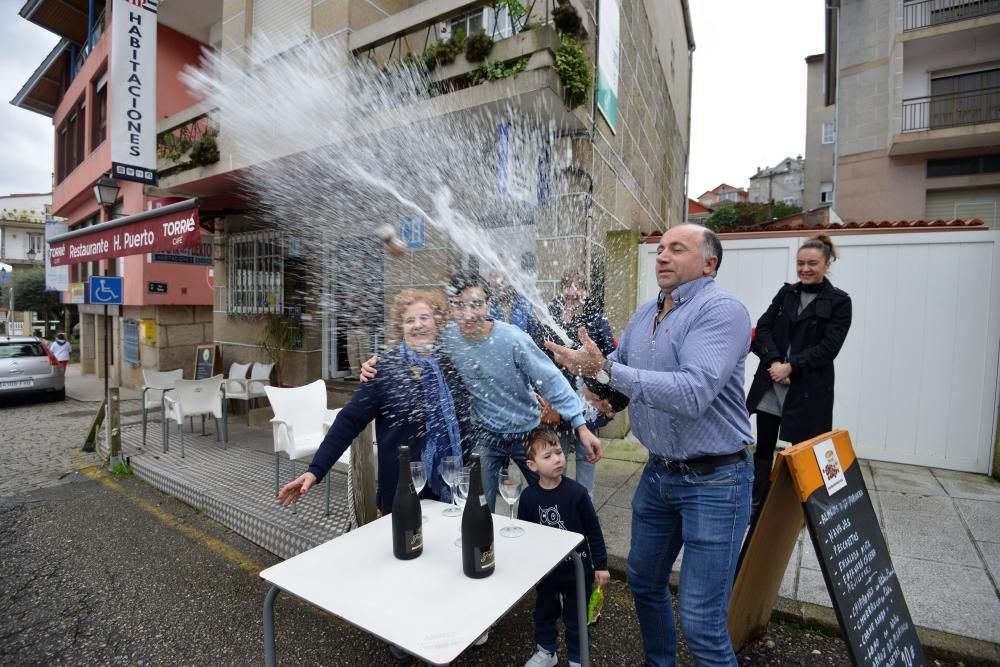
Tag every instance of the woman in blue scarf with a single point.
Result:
(416, 400)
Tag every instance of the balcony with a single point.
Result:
(949, 121)
(929, 13)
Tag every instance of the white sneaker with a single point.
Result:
(481, 639)
(542, 658)
(574, 664)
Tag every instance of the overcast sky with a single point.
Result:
(749, 91)
(25, 136)
(748, 106)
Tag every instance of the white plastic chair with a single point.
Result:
(236, 384)
(191, 398)
(154, 384)
(301, 420)
(245, 388)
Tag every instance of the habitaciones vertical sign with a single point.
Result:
(133, 90)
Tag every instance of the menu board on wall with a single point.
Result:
(819, 483)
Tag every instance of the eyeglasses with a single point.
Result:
(475, 304)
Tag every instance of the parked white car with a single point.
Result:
(27, 366)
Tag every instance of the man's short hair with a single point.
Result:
(711, 247)
(464, 280)
(539, 438)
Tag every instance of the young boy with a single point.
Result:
(560, 502)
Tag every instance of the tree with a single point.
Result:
(723, 217)
(30, 295)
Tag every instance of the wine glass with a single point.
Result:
(419, 480)
(511, 486)
(451, 468)
(461, 496)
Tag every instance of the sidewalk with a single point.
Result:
(942, 527)
(90, 388)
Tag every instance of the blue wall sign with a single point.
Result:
(411, 231)
(106, 290)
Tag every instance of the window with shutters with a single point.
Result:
(279, 25)
(255, 269)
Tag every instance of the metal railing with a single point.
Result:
(935, 12)
(951, 110)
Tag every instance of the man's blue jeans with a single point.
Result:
(707, 515)
(495, 450)
(585, 470)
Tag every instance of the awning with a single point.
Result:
(169, 227)
(66, 18)
(41, 93)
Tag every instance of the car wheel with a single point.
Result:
(59, 395)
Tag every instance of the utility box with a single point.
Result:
(147, 331)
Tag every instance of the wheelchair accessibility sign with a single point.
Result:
(106, 290)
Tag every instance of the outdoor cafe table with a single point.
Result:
(426, 606)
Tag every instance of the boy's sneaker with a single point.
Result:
(574, 664)
(542, 658)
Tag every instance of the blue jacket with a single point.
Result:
(521, 316)
(395, 400)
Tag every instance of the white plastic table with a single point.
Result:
(426, 606)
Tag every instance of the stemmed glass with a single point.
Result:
(451, 468)
(511, 486)
(461, 496)
(419, 480)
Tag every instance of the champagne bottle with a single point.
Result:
(477, 528)
(407, 532)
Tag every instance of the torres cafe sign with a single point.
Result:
(133, 90)
(170, 227)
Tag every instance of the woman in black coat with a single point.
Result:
(797, 340)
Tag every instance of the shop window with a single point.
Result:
(255, 264)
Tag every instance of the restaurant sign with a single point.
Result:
(170, 231)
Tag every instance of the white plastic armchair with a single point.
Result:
(301, 420)
(191, 398)
(154, 384)
(236, 385)
(260, 377)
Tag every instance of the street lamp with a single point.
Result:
(31, 255)
(106, 191)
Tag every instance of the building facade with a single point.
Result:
(783, 182)
(627, 175)
(723, 195)
(821, 138)
(22, 248)
(72, 87)
(917, 91)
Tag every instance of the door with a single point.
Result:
(353, 302)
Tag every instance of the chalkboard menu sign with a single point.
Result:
(208, 361)
(823, 478)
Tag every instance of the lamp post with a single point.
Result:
(106, 192)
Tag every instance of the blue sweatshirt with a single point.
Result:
(567, 507)
(502, 372)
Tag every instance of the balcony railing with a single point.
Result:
(935, 12)
(951, 110)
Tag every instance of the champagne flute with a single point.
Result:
(451, 468)
(511, 486)
(419, 480)
(461, 496)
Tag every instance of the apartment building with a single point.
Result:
(722, 195)
(628, 147)
(917, 91)
(784, 182)
(821, 137)
(22, 248)
(166, 303)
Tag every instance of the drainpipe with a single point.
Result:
(686, 11)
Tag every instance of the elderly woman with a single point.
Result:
(416, 400)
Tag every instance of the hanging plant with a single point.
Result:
(575, 71)
(567, 20)
(478, 46)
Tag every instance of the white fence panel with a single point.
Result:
(917, 379)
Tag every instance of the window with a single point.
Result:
(279, 25)
(70, 148)
(829, 133)
(826, 193)
(496, 22)
(790, 199)
(36, 245)
(130, 341)
(789, 178)
(255, 270)
(965, 99)
(964, 166)
(99, 119)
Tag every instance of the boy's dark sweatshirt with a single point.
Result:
(568, 507)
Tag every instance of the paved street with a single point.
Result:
(105, 570)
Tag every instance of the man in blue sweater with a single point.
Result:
(502, 368)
